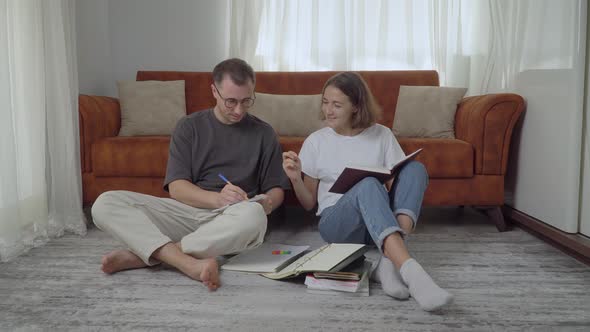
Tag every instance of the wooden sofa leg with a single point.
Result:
(495, 214)
(460, 211)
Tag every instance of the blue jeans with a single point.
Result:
(366, 213)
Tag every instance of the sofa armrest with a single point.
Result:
(487, 122)
(99, 117)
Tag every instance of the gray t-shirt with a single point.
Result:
(247, 153)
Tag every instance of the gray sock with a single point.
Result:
(426, 292)
(390, 279)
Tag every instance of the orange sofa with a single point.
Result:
(466, 171)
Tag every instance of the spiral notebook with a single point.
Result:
(268, 257)
(328, 258)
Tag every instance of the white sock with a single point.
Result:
(390, 279)
(426, 292)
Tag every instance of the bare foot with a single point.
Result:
(204, 270)
(119, 260)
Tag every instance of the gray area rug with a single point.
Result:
(501, 281)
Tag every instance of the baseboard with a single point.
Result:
(575, 245)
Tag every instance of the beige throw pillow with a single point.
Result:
(289, 115)
(426, 111)
(150, 107)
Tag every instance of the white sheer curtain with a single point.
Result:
(40, 185)
(479, 44)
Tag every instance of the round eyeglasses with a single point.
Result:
(232, 102)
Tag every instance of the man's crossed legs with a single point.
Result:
(164, 230)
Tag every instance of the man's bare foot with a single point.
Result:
(119, 260)
(204, 270)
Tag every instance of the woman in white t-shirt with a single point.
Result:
(368, 213)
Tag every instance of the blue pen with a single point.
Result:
(227, 181)
(223, 178)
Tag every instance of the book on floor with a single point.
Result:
(331, 257)
(268, 257)
(337, 275)
(353, 174)
(341, 287)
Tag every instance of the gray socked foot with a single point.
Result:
(427, 293)
(390, 279)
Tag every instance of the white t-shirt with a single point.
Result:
(325, 154)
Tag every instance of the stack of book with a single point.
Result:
(336, 268)
(351, 281)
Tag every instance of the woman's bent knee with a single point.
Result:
(415, 168)
(368, 183)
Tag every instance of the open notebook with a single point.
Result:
(268, 257)
(328, 258)
(353, 174)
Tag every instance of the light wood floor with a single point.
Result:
(501, 281)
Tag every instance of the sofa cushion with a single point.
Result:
(426, 111)
(443, 158)
(383, 83)
(289, 115)
(131, 156)
(150, 107)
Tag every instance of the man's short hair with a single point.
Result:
(238, 70)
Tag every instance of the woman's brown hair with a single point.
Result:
(357, 90)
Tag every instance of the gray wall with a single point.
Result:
(116, 38)
(94, 48)
(544, 168)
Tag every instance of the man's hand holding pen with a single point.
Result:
(231, 194)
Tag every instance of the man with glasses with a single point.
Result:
(218, 159)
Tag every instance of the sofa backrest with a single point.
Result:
(384, 85)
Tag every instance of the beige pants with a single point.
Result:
(145, 223)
